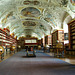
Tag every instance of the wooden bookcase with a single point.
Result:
(43, 41)
(71, 28)
(48, 39)
(6, 40)
(57, 36)
(39, 42)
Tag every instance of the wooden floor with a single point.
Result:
(68, 59)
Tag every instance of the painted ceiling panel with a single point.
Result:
(30, 12)
(29, 23)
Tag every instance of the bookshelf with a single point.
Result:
(48, 39)
(39, 42)
(71, 28)
(57, 36)
(6, 40)
(43, 41)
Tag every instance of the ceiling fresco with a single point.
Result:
(73, 2)
(29, 19)
(31, 2)
(40, 17)
(9, 16)
(29, 23)
(42, 27)
(30, 12)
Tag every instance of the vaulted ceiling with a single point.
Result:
(35, 17)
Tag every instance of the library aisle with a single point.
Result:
(42, 64)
